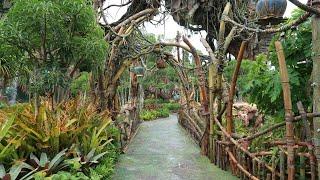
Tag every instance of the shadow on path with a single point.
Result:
(162, 150)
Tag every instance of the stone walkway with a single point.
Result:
(162, 150)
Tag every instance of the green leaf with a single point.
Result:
(91, 154)
(57, 159)
(15, 171)
(35, 159)
(6, 126)
(43, 160)
(2, 171)
(97, 157)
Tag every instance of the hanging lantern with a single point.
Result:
(271, 11)
(176, 97)
(161, 63)
(138, 70)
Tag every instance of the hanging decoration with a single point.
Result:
(161, 63)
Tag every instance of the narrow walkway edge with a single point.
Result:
(162, 150)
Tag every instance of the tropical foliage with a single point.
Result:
(71, 125)
(259, 80)
(46, 42)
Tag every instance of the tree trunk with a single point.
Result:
(101, 91)
(316, 85)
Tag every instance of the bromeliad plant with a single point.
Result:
(42, 167)
(16, 170)
(82, 162)
(53, 130)
(45, 166)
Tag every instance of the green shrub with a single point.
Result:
(154, 101)
(148, 115)
(172, 106)
(106, 168)
(163, 112)
(81, 84)
(62, 175)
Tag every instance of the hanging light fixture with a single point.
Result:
(138, 70)
(271, 11)
(176, 97)
(161, 62)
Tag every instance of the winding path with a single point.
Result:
(162, 150)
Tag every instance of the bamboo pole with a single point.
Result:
(233, 87)
(239, 146)
(288, 109)
(306, 125)
(212, 96)
(295, 119)
(303, 114)
(302, 168)
(248, 174)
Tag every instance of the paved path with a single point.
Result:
(162, 150)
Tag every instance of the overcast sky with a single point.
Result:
(169, 28)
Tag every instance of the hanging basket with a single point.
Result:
(161, 63)
(271, 11)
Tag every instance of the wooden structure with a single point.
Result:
(206, 124)
(228, 150)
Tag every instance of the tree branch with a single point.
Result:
(305, 7)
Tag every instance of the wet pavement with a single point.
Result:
(162, 150)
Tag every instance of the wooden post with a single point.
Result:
(212, 76)
(220, 56)
(212, 96)
(288, 109)
(274, 167)
(260, 173)
(203, 97)
(302, 167)
(316, 85)
(268, 176)
(233, 87)
(282, 166)
(200, 74)
(254, 167)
